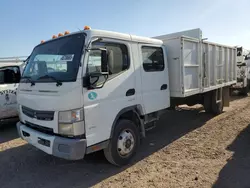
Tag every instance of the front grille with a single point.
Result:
(50, 131)
(40, 115)
(39, 128)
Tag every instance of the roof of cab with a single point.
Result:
(114, 35)
(123, 36)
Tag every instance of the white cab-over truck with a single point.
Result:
(100, 90)
(10, 73)
(243, 79)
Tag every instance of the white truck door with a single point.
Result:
(9, 79)
(154, 76)
(102, 104)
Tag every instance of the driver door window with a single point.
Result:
(118, 60)
(94, 66)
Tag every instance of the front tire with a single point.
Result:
(124, 143)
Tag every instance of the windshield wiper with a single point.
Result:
(28, 78)
(58, 82)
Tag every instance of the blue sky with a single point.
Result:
(25, 23)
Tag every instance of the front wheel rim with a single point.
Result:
(125, 143)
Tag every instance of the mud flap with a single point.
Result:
(226, 96)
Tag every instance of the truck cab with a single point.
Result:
(87, 91)
(10, 74)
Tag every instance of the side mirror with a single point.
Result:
(96, 78)
(104, 58)
(104, 61)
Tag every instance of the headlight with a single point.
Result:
(71, 116)
(66, 129)
(71, 122)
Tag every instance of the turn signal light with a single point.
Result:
(60, 35)
(87, 27)
(66, 32)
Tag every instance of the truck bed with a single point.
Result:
(197, 66)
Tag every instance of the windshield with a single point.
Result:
(58, 58)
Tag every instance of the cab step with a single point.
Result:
(150, 126)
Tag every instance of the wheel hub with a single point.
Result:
(128, 143)
(125, 143)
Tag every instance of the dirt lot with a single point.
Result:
(189, 148)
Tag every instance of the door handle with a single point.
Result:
(130, 92)
(164, 87)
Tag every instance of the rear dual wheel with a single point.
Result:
(244, 91)
(213, 102)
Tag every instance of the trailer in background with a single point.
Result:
(247, 60)
(11, 69)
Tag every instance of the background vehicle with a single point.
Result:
(243, 83)
(109, 88)
(10, 74)
(247, 60)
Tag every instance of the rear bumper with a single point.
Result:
(71, 149)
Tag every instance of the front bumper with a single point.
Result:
(71, 149)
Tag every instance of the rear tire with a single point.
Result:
(231, 91)
(124, 143)
(217, 107)
(207, 102)
(244, 91)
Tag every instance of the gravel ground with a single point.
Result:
(189, 148)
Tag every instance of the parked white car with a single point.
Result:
(10, 74)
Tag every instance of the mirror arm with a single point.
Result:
(88, 49)
(86, 80)
(93, 87)
(94, 40)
